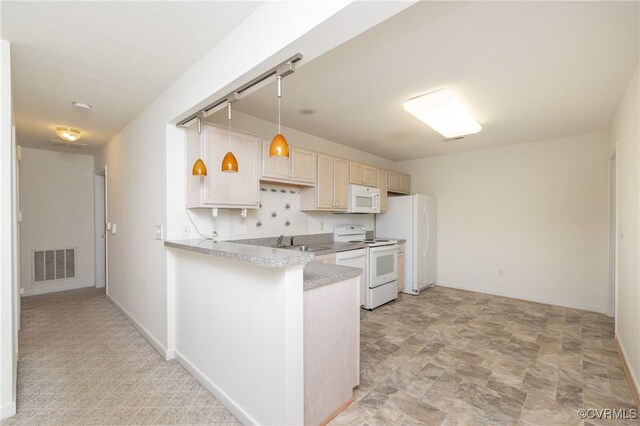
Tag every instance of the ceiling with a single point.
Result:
(117, 56)
(526, 71)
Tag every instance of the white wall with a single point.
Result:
(8, 332)
(536, 211)
(145, 183)
(625, 133)
(243, 341)
(57, 202)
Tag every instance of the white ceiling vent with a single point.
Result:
(65, 144)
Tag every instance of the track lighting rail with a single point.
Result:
(281, 70)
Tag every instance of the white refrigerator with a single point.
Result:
(413, 217)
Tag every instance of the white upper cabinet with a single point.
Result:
(220, 189)
(299, 168)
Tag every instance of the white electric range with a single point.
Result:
(379, 285)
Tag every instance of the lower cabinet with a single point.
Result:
(326, 258)
(401, 267)
(331, 349)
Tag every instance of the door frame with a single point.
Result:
(104, 175)
(612, 307)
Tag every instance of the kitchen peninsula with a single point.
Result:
(271, 333)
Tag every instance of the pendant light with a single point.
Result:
(279, 146)
(199, 168)
(229, 162)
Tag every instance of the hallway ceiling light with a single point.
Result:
(229, 162)
(68, 133)
(82, 105)
(279, 146)
(444, 113)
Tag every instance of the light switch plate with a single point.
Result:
(158, 232)
(113, 228)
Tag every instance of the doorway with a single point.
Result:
(613, 259)
(100, 224)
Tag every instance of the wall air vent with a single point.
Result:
(65, 144)
(55, 264)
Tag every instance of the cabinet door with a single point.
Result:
(382, 186)
(274, 167)
(400, 271)
(405, 184)
(394, 182)
(231, 189)
(341, 184)
(303, 165)
(324, 186)
(370, 176)
(356, 173)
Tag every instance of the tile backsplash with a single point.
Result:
(279, 213)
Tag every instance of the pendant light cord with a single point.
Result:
(229, 126)
(196, 228)
(279, 97)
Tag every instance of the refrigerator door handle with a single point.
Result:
(426, 222)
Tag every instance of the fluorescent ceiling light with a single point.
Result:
(444, 113)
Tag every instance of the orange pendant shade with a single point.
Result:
(279, 147)
(229, 163)
(199, 169)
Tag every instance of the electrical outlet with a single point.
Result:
(158, 232)
(185, 232)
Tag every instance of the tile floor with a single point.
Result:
(445, 357)
(82, 363)
(451, 357)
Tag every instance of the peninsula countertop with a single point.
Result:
(315, 274)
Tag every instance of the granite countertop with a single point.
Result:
(317, 274)
(336, 247)
(253, 254)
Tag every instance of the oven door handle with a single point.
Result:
(384, 248)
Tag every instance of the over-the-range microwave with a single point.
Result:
(364, 199)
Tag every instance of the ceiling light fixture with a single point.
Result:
(279, 146)
(444, 113)
(68, 133)
(229, 162)
(82, 105)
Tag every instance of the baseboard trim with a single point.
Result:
(152, 340)
(526, 297)
(7, 410)
(54, 289)
(219, 394)
(335, 414)
(628, 373)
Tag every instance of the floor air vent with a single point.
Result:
(54, 264)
